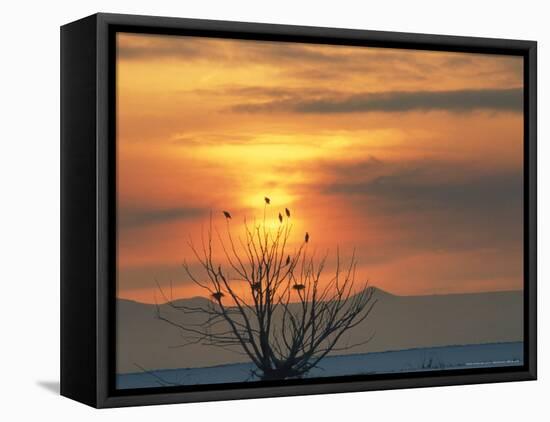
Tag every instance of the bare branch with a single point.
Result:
(290, 316)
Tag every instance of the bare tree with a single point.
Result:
(269, 303)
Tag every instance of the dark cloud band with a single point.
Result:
(398, 101)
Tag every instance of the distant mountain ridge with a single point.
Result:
(397, 323)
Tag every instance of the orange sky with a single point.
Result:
(414, 158)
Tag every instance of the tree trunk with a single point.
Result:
(279, 374)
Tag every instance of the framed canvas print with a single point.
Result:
(253, 210)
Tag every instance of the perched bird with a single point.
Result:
(287, 211)
(298, 286)
(267, 200)
(256, 286)
(287, 260)
(227, 215)
(217, 295)
(280, 218)
(307, 237)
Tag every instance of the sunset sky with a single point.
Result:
(414, 158)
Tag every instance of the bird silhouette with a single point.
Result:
(227, 215)
(287, 260)
(217, 295)
(267, 200)
(287, 211)
(298, 286)
(307, 237)
(280, 218)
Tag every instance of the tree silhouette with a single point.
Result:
(270, 303)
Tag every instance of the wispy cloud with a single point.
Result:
(139, 217)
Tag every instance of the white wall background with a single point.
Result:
(29, 209)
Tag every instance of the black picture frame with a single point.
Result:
(88, 200)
